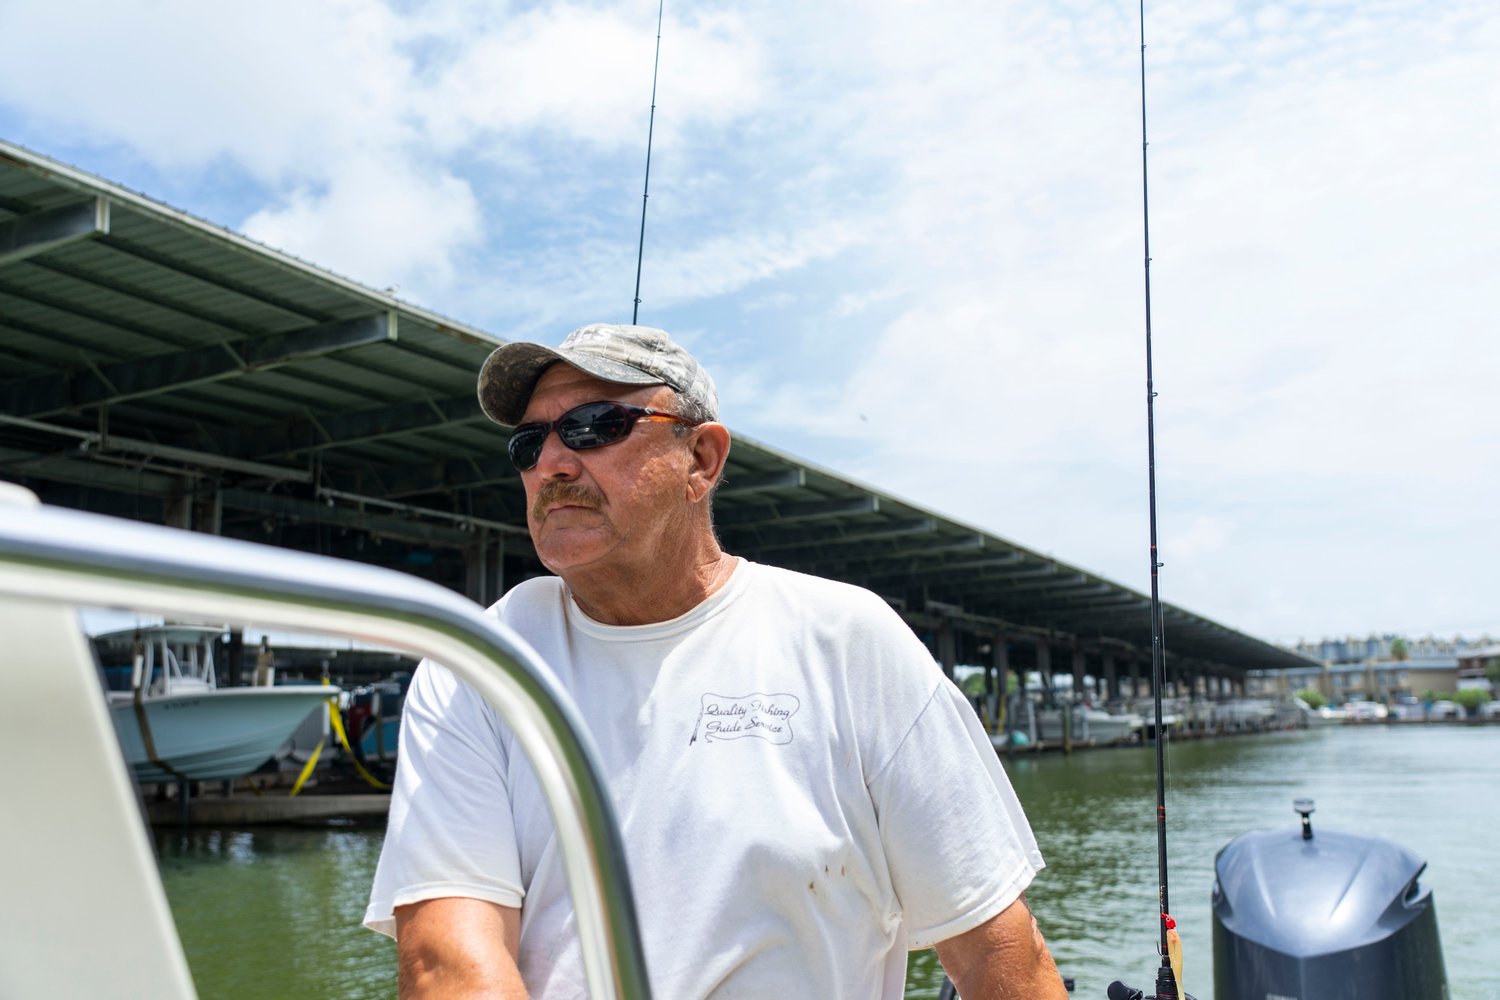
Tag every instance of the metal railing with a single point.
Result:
(89, 560)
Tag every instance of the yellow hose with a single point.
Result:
(338, 730)
(307, 769)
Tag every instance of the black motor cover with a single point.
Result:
(1331, 917)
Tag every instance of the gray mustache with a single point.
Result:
(560, 491)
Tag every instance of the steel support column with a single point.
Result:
(1000, 665)
(947, 651)
(1044, 666)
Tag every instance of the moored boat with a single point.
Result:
(175, 723)
(373, 718)
(1087, 725)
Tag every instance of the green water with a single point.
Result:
(274, 913)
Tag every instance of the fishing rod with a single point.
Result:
(1168, 974)
(640, 251)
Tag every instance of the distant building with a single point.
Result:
(1472, 664)
(1367, 667)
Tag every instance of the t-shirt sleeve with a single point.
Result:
(450, 830)
(957, 842)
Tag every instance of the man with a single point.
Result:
(803, 796)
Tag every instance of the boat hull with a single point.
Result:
(1089, 725)
(210, 735)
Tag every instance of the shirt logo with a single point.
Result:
(763, 716)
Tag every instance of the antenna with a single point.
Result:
(640, 251)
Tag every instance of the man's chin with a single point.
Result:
(563, 550)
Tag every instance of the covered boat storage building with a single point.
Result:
(157, 367)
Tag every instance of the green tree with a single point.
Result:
(1313, 697)
(973, 685)
(1492, 670)
(1471, 698)
(1398, 649)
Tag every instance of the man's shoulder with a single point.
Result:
(819, 594)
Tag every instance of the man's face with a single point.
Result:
(609, 505)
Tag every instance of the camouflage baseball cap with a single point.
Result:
(629, 355)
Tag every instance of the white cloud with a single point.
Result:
(388, 222)
(276, 88)
(724, 264)
(344, 111)
(584, 72)
(854, 303)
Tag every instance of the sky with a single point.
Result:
(906, 238)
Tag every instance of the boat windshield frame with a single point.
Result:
(79, 559)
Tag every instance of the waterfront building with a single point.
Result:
(1474, 665)
(1385, 668)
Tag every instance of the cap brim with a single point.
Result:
(510, 374)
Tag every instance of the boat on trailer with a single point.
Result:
(1082, 725)
(174, 721)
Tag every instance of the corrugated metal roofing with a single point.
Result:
(148, 358)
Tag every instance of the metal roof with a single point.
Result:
(157, 366)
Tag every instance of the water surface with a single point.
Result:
(274, 913)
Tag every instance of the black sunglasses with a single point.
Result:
(592, 425)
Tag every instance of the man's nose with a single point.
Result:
(557, 460)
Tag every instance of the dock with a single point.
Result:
(264, 799)
(254, 810)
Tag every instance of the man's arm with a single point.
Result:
(455, 947)
(1003, 957)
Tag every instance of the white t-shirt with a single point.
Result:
(803, 796)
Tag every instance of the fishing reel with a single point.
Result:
(1166, 989)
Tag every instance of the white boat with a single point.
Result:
(1365, 711)
(176, 724)
(1249, 714)
(1323, 716)
(1088, 724)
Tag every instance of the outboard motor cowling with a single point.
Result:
(1325, 917)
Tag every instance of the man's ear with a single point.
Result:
(710, 450)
